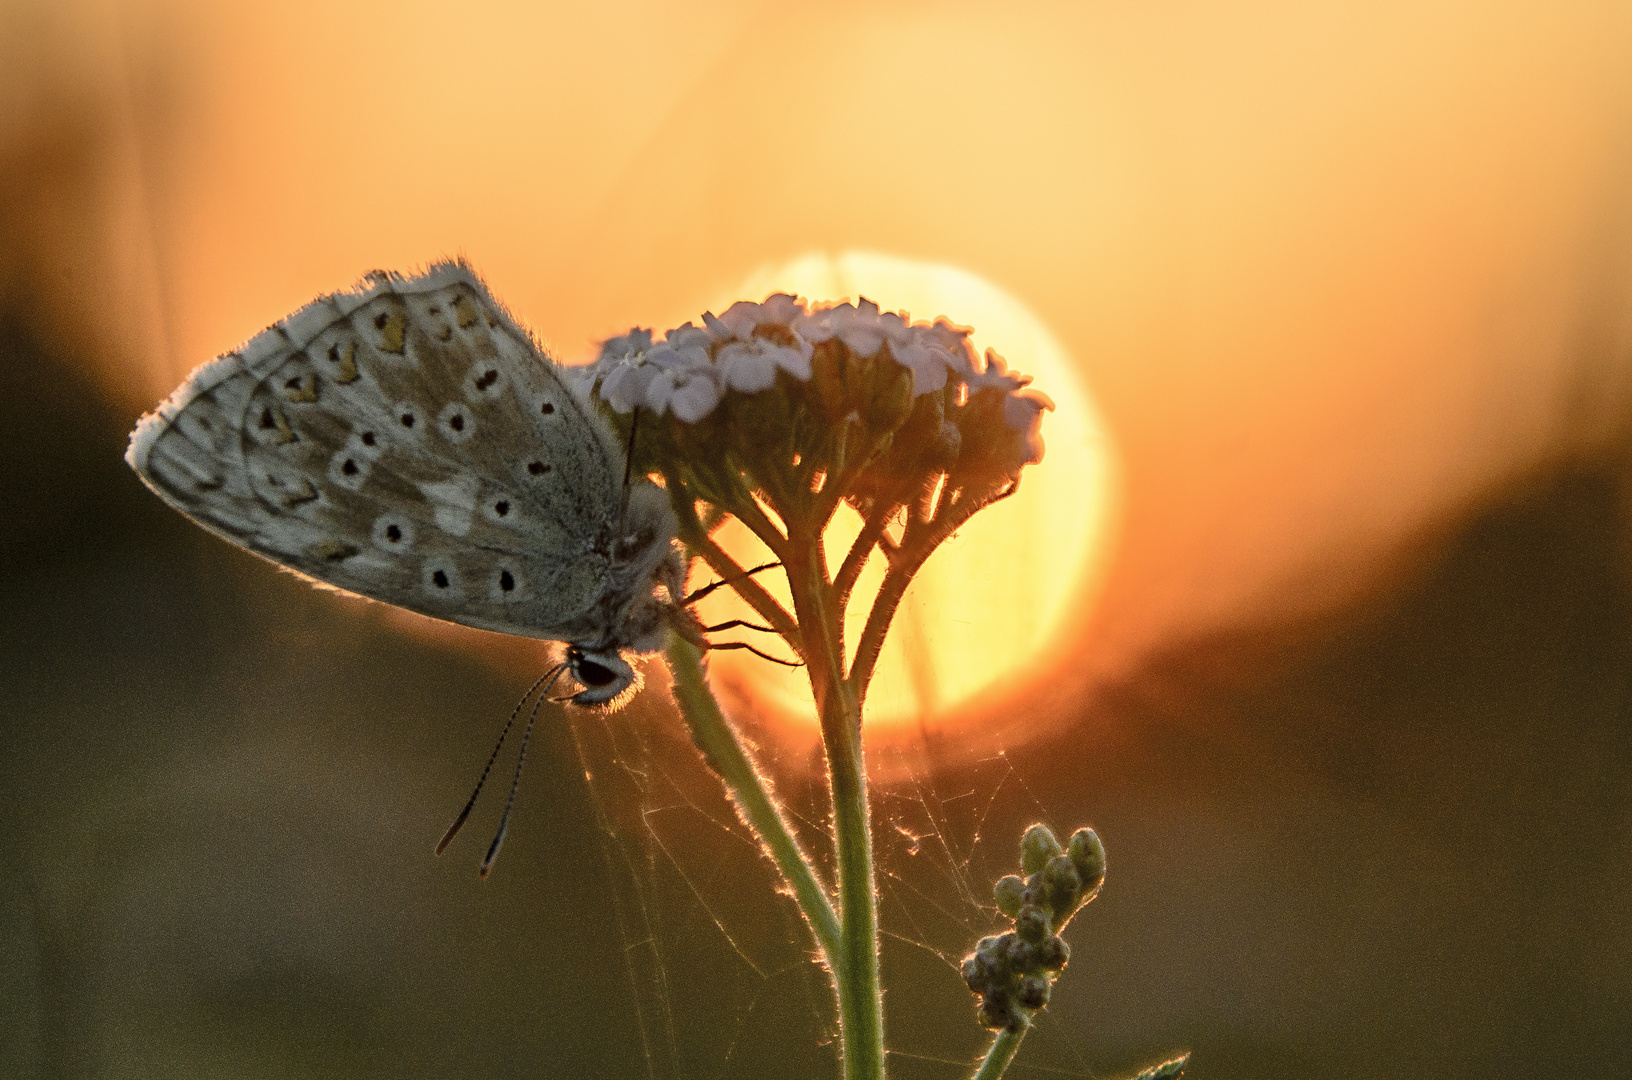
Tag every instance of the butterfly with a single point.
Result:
(410, 442)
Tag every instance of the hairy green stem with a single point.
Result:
(856, 976)
(866, 540)
(1002, 1052)
(718, 741)
(917, 544)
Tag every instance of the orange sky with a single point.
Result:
(1331, 270)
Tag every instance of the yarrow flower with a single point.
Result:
(775, 414)
(751, 366)
(798, 408)
(878, 363)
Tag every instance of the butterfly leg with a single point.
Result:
(691, 628)
(709, 588)
(734, 623)
(756, 652)
(686, 625)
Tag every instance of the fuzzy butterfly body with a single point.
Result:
(408, 441)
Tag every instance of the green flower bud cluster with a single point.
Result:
(1013, 973)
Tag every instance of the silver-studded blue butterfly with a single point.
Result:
(408, 441)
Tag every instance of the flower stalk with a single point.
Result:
(777, 414)
(1003, 1049)
(858, 987)
(718, 742)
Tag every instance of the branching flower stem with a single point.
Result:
(848, 938)
(872, 532)
(777, 414)
(917, 544)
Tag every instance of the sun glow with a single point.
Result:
(1002, 599)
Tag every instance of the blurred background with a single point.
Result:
(1349, 699)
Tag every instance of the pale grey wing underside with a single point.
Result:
(408, 442)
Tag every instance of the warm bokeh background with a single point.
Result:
(1352, 284)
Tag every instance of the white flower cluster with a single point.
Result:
(743, 349)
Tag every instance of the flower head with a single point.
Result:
(795, 408)
(876, 378)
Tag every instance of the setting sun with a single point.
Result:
(996, 602)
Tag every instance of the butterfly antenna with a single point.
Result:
(504, 822)
(453, 830)
(628, 468)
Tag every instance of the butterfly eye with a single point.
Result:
(464, 312)
(590, 673)
(273, 427)
(350, 466)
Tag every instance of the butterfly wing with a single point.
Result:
(405, 441)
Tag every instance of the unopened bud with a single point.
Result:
(996, 1012)
(1088, 856)
(1037, 847)
(1033, 993)
(1053, 954)
(1064, 884)
(1009, 894)
(976, 972)
(1031, 925)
